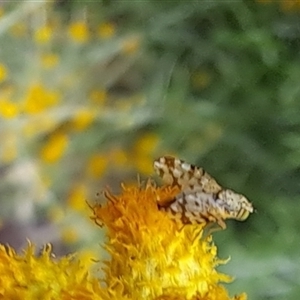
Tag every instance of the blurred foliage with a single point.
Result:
(91, 94)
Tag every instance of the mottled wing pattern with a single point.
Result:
(201, 198)
(175, 171)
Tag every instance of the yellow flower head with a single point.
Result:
(106, 30)
(3, 72)
(79, 32)
(153, 257)
(49, 60)
(55, 147)
(38, 99)
(131, 45)
(143, 152)
(77, 196)
(82, 119)
(98, 96)
(119, 158)
(42, 277)
(18, 30)
(43, 34)
(8, 109)
(97, 165)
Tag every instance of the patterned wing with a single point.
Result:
(174, 171)
(194, 207)
(202, 199)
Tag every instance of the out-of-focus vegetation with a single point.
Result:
(91, 93)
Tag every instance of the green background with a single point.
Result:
(220, 81)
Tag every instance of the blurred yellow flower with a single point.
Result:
(18, 29)
(153, 257)
(106, 30)
(146, 143)
(97, 165)
(119, 157)
(79, 32)
(131, 45)
(3, 72)
(83, 118)
(38, 99)
(43, 34)
(49, 60)
(77, 197)
(144, 164)
(143, 152)
(98, 96)
(8, 109)
(33, 277)
(39, 124)
(55, 147)
(69, 235)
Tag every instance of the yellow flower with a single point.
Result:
(153, 257)
(98, 96)
(8, 109)
(97, 165)
(147, 143)
(3, 72)
(78, 31)
(42, 277)
(18, 29)
(88, 257)
(143, 152)
(144, 164)
(43, 34)
(106, 30)
(39, 124)
(69, 235)
(38, 99)
(77, 197)
(131, 45)
(83, 118)
(53, 150)
(119, 157)
(50, 60)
